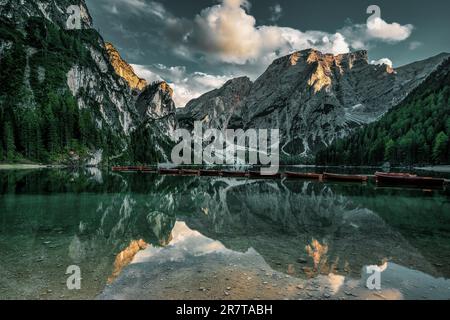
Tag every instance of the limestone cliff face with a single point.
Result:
(123, 69)
(102, 82)
(216, 108)
(53, 10)
(155, 103)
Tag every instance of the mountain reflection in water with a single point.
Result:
(109, 223)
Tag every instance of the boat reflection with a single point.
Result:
(315, 234)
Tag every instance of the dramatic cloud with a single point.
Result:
(385, 61)
(187, 86)
(227, 33)
(226, 40)
(361, 36)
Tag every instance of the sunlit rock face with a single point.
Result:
(126, 256)
(312, 97)
(123, 69)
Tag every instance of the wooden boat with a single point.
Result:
(393, 174)
(210, 173)
(343, 177)
(300, 175)
(258, 175)
(408, 180)
(237, 174)
(169, 171)
(133, 169)
(189, 172)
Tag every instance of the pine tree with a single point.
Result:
(440, 148)
(389, 151)
(9, 142)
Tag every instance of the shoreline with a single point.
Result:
(436, 169)
(19, 166)
(439, 169)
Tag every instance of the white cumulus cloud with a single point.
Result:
(379, 29)
(382, 61)
(228, 33)
(187, 86)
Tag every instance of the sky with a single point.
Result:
(197, 45)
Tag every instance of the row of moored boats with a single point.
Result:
(383, 178)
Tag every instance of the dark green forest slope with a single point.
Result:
(415, 132)
(39, 117)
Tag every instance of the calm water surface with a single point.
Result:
(154, 237)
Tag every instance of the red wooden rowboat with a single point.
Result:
(394, 174)
(237, 174)
(408, 180)
(300, 175)
(189, 172)
(133, 169)
(343, 177)
(258, 174)
(210, 173)
(169, 171)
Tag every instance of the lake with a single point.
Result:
(146, 236)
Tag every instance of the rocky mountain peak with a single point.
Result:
(156, 101)
(165, 88)
(155, 104)
(123, 69)
(216, 107)
(312, 97)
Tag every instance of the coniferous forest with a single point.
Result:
(40, 120)
(416, 132)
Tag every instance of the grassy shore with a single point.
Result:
(17, 166)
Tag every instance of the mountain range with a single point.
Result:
(313, 98)
(67, 96)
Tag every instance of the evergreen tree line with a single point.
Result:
(148, 146)
(416, 132)
(41, 121)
